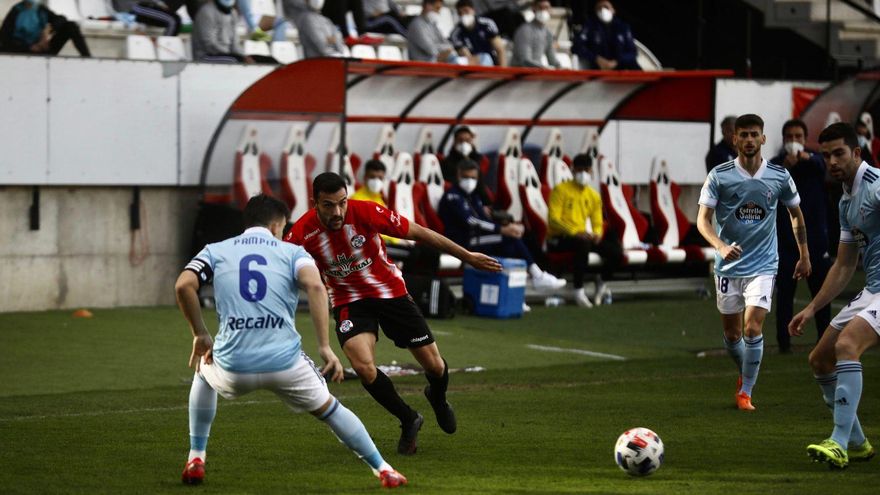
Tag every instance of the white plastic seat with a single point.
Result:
(389, 52)
(564, 60)
(363, 51)
(294, 175)
(252, 47)
(67, 8)
(139, 47)
(284, 52)
(508, 175)
(170, 49)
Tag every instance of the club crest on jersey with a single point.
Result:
(358, 241)
(345, 326)
(750, 213)
(344, 266)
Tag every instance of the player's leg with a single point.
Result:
(754, 349)
(814, 282)
(437, 374)
(730, 303)
(202, 409)
(785, 289)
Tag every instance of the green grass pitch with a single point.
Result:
(99, 406)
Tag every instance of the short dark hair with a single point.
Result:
(729, 120)
(430, 2)
(261, 210)
(327, 183)
(840, 130)
(462, 128)
(582, 160)
(374, 166)
(460, 4)
(466, 165)
(794, 123)
(749, 120)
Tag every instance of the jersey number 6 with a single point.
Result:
(247, 278)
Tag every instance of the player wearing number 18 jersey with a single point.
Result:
(256, 280)
(367, 292)
(742, 196)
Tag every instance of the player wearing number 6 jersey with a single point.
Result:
(742, 196)
(367, 292)
(835, 359)
(256, 280)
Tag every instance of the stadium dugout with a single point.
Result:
(353, 101)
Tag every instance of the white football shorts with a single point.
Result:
(865, 305)
(733, 294)
(301, 387)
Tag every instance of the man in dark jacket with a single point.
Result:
(31, 27)
(606, 42)
(723, 151)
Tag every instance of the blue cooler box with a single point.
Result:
(497, 295)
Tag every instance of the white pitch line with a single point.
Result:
(582, 352)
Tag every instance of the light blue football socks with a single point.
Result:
(202, 408)
(349, 429)
(754, 351)
(846, 400)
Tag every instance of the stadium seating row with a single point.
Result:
(415, 186)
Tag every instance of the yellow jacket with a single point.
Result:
(571, 205)
(364, 194)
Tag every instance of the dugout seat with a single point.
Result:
(671, 223)
(350, 162)
(507, 196)
(430, 186)
(251, 168)
(400, 188)
(385, 152)
(555, 166)
(623, 216)
(295, 182)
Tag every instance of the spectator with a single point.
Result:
(30, 27)
(724, 151)
(384, 16)
(463, 147)
(162, 14)
(533, 39)
(252, 22)
(374, 180)
(337, 10)
(865, 133)
(317, 34)
(505, 13)
(424, 41)
(605, 41)
(807, 169)
(576, 225)
(467, 224)
(477, 38)
(214, 36)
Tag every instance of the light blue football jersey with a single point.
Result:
(745, 213)
(256, 293)
(860, 221)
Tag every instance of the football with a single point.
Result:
(638, 451)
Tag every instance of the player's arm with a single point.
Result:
(477, 260)
(704, 225)
(837, 279)
(187, 290)
(309, 279)
(802, 268)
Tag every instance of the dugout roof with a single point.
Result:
(348, 92)
(842, 102)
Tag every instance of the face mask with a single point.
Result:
(582, 178)
(863, 142)
(542, 16)
(433, 17)
(316, 5)
(464, 148)
(467, 20)
(375, 185)
(605, 15)
(793, 147)
(227, 4)
(467, 185)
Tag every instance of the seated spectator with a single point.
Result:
(30, 27)
(279, 24)
(605, 42)
(576, 224)
(505, 13)
(159, 13)
(724, 151)
(864, 134)
(374, 183)
(337, 10)
(384, 16)
(424, 41)
(214, 35)
(477, 38)
(533, 39)
(467, 224)
(317, 34)
(463, 148)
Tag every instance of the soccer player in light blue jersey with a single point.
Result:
(256, 280)
(742, 196)
(835, 359)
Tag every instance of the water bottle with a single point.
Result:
(553, 301)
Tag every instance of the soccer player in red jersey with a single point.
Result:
(367, 291)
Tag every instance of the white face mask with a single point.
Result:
(316, 5)
(583, 178)
(605, 15)
(433, 17)
(793, 147)
(467, 184)
(464, 148)
(863, 142)
(467, 20)
(542, 16)
(375, 185)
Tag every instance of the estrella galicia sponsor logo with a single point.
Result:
(358, 241)
(251, 323)
(345, 326)
(344, 265)
(750, 213)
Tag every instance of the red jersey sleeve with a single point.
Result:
(382, 219)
